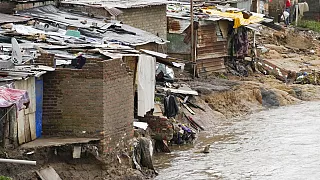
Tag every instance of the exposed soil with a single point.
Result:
(60, 158)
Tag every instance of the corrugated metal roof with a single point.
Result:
(118, 3)
(126, 34)
(6, 18)
(114, 11)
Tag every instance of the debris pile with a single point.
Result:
(289, 54)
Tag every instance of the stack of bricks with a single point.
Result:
(96, 101)
(46, 59)
(161, 127)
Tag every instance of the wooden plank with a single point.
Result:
(179, 91)
(32, 94)
(14, 126)
(212, 69)
(211, 65)
(189, 109)
(48, 174)
(31, 88)
(6, 128)
(21, 134)
(27, 132)
(210, 60)
(32, 123)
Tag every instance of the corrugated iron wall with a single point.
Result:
(211, 49)
(177, 48)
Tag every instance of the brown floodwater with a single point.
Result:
(280, 144)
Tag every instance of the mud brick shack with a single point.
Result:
(96, 101)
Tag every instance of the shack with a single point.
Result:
(21, 103)
(100, 68)
(219, 31)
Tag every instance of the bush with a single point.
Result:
(5, 178)
(312, 25)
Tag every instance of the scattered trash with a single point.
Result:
(141, 125)
(29, 153)
(76, 154)
(74, 33)
(48, 174)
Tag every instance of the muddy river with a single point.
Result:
(282, 143)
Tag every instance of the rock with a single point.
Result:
(273, 54)
(206, 149)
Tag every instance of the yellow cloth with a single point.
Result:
(236, 16)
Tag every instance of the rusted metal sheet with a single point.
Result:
(208, 66)
(210, 51)
(6, 18)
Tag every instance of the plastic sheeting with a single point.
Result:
(146, 83)
(166, 70)
(238, 18)
(9, 97)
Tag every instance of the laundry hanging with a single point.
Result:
(146, 83)
(9, 97)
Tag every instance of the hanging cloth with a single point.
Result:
(146, 83)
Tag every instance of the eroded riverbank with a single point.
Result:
(280, 143)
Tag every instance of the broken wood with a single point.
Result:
(190, 118)
(196, 106)
(189, 109)
(193, 122)
(181, 91)
(186, 100)
(166, 147)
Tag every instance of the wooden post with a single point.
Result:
(193, 59)
(297, 14)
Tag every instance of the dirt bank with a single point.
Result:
(237, 96)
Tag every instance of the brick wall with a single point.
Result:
(96, 101)
(118, 105)
(46, 59)
(72, 102)
(7, 7)
(151, 18)
(29, 5)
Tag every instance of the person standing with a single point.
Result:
(287, 9)
(171, 108)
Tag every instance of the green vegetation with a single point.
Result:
(312, 25)
(5, 178)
